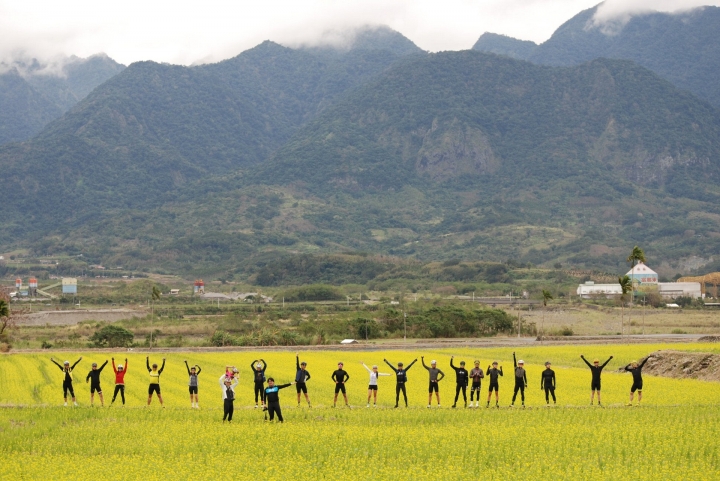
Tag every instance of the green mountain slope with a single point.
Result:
(504, 45)
(23, 110)
(683, 48)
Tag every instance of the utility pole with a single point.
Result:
(644, 304)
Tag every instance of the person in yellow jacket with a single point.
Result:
(154, 380)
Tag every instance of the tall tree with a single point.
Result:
(546, 297)
(626, 286)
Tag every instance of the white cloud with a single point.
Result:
(183, 32)
(614, 13)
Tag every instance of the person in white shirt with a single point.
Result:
(228, 394)
(373, 386)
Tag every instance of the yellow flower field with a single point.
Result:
(674, 435)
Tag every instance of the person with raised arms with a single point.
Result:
(228, 394)
(119, 380)
(258, 367)
(193, 373)
(94, 376)
(301, 377)
(596, 370)
(401, 379)
(154, 386)
(67, 380)
(476, 374)
(373, 384)
(547, 382)
(436, 375)
(461, 380)
(340, 377)
(520, 380)
(636, 370)
(272, 398)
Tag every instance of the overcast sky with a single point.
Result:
(184, 32)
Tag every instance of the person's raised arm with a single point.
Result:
(588, 364)
(297, 361)
(501, 373)
(422, 359)
(113, 365)
(283, 386)
(391, 366)
(147, 363)
(627, 368)
(222, 380)
(411, 365)
(264, 368)
(514, 360)
(57, 364)
(643, 363)
(187, 367)
(451, 363)
(606, 362)
(488, 371)
(103, 366)
(366, 368)
(252, 365)
(126, 363)
(384, 374)
(162, 367)
(76, 363)
(198, 369)
(235, 382)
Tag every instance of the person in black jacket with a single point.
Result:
(258, 367)
(494, 374)
(401, 379)
(272, 398)
(461, 380)
(520, 380)
(301, 377)
(67, 380)
(636, 370)
(596, 370)
(340, 376)
(94, 376)
(547, 382)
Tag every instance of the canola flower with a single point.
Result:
(674, 435)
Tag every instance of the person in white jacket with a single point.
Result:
(373, 386)
(228, 394)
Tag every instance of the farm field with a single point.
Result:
(674, 435)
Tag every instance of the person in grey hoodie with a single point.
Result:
(436, 375)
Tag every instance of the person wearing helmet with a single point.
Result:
(373, 385)
(400, 380)
(301, 377)
(193, 373)
(228, 394)
(520, 380)
(636, 370)
(461, 380)
(547, 382)
(258, 367)
(476, 374)
(494, 374)
(94, 375)
(596, 370)
(154, 380)
(340, 376)
(67, 380)
(119, 380)
(272, 398)
(436, 375)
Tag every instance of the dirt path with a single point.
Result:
(65, 318)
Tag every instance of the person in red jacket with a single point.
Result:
(119, 380)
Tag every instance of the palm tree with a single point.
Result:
(626, 286)
(4, 315)
(637, 255)
(546, 297)
(155, 297)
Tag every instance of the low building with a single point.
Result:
(672, 290)
(69, 285)
(642, 275)
(590, 290)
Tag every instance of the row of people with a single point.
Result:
(340, 377)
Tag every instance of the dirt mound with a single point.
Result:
(682, 365)
(709, 339)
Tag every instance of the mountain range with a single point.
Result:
(372, 146)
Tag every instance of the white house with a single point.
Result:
(590, 290)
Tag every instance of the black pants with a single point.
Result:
(549, 390)
(259, 389)
(400, 387)
(119, 388)
(519, 387)
(475, 389)
(229, 408)
(68, 387)
(275, 408)
(458, 388)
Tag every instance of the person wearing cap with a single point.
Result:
(154, 380)
(193, 373)
(494, 374)
(596, 370)
(476, 374)
(401, 379)
(436, 375)
(340, 376)
(520, 380)
(301, 377)
(119, 380)
(373, 385)
(227, 384)
(547, 382)
(94, 376)
(67, 380)
(272, 398)
(258, 367)
(461, 380)
(636, 370)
